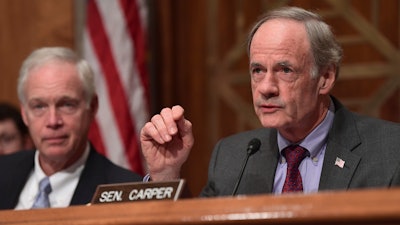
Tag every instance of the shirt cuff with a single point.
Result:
(147, 178)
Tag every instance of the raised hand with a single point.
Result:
(166, 143)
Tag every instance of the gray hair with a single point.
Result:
(45, 55)
(324, 47)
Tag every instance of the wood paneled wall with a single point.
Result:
(25, 26)
(198, 58)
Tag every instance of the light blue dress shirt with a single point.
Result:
(311, 167)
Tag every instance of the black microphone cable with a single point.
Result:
(252, 147)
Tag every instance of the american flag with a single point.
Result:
(114, 44)
(339, 162)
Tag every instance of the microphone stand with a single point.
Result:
(253, 147)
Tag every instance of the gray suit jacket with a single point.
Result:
(370, 148)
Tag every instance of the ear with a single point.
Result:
(23, 114)
(94, 105)
(327, 79)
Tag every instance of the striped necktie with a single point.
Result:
(42, 198)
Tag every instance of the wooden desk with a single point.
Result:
(352, 207)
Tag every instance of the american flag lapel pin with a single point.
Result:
(339, 162)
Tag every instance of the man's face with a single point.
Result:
(11, 140)
(284, 94)
(56, 112)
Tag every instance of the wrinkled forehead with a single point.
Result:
(53, 78)
(281, 32)
(281, 40)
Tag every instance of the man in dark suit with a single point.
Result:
(58, 103)
(294, 63)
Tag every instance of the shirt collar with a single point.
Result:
(314, 141)
(75, 167)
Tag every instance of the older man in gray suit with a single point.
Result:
(309, 142)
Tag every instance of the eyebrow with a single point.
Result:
(284, 63)
(254, 64)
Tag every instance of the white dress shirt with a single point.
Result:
(63, 183)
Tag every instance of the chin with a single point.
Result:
(56, 151)
(269, 124)
(270, 121)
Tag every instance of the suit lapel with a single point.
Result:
(343, 138)
(88, 180)
(335, 176)
(269, 148)
(259, 174)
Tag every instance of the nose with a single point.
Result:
(268, 86)
(54, 118)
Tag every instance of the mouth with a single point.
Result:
(269, 108)
(55, 139)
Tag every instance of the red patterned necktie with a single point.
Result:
(294, 154)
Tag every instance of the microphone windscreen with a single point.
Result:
(253, 146)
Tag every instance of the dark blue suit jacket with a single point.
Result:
(15, 170)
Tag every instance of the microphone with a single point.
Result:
(252, 147)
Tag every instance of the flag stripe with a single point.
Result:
(115, 89)
(96, 136)
(124, 61)
(140, 87)
(112, 53)
(138, 35)
(108, 135)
